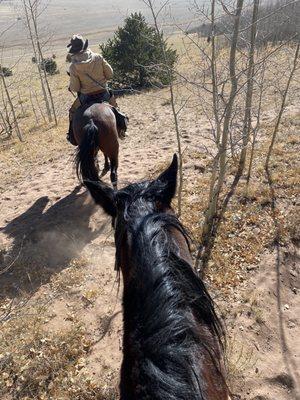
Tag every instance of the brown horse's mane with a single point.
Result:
(171, 331)
(164, 304)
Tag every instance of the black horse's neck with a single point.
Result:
(172, 335)
(165, 304)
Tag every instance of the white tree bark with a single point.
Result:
(208, 232)
(155, 15)
(282, 108)
(37, 58)
(19, 134)
(34, 16)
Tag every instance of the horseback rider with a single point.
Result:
(89, 73)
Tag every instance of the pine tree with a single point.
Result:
(136, 53)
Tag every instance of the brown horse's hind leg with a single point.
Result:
(114, 173)
(106, 167)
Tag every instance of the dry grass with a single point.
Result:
(41, 147)
(39, 363)
(35, 364)
(239, 360)
(248, 228)
(66, 280)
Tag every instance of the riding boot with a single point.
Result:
(70, 134)
(112, 100)
(122, 122)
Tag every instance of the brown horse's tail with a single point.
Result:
(85, 160)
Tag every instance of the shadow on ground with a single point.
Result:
(290, 378)
(45, 242)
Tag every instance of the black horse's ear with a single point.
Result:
(169, 178)
(102, 195)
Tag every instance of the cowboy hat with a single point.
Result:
(77, 44)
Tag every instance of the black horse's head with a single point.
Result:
(129, 206)
(138, 199)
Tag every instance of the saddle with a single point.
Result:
(121, 119)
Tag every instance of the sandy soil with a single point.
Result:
(47, 219)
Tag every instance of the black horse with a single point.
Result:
(172, 343)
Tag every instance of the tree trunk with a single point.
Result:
(12, 108)
(149, 3)
(34, 21)
(211, 214)
(6, 126)
(33, 108)
(274, 136)
(37, 62)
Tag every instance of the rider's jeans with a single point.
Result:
(84, 98)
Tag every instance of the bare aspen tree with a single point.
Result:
(282, 108)
(235, 88)
(230, 87)
(38, 64)
(8, 115)
(6, 126)
(211, 220)
(6, 90)
(33, 8)
(247, 122)
(255, 129)
(215, 97)
(21, 103)
(39, 106)
(4, 114)
(155, 16)
(33, 108)
(249, 92)
(31, 15)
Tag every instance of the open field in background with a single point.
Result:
(99, 21)
(60, 309)
(25, 88)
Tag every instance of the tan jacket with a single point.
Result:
(89, 72)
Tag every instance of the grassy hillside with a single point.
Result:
(60, 311)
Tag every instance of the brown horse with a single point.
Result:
(172, 343)
(95, 129)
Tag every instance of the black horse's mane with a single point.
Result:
(165, 303)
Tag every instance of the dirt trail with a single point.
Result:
(47, 220)
(50, 221)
